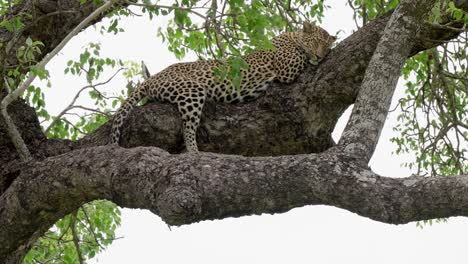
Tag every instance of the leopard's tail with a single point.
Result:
(136, 96)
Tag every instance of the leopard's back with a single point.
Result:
(179, 79)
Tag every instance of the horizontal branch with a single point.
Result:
(188, 188)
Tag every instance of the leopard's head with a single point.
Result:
(315, 41)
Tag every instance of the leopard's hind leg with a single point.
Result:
(190, 107)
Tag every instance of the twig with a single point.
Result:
(89, 109)
(187, 9)
(75, 127)
(72, 103)
(75, 237)
(462, 29)
(91, 228)
(216, 28)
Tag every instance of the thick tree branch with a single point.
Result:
(373, 102)
(187, 188)
(289, 119)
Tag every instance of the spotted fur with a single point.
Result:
(189, 85)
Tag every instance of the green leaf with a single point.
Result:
(17, 24)
(29, 41)
(6, 24)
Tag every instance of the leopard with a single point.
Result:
(188, 85)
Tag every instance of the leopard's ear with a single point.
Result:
(333, 38)
(307, 27)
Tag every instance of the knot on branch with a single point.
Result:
(179, 205)
(357, 150)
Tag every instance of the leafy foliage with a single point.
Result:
(230, 28)
(433, 123)
(365, 10)
(86, 231)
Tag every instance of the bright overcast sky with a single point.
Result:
(312, 234)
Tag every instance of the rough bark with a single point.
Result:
(183, 189)
(370, 110)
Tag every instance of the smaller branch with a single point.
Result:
(80, 240)
(90, 227)
(75, 237)
(72, 103)
(181, 8)
(77, 115)
(287, 10)
(355, 10)
(60, 12)
(64, 111)
(463, 29)
(364, 13)
(13, 132)
(89, 109)
(76, 128)
(133, 13)
(216, 28)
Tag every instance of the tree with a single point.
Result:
(42, 180)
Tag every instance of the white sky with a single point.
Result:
(312, 234)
